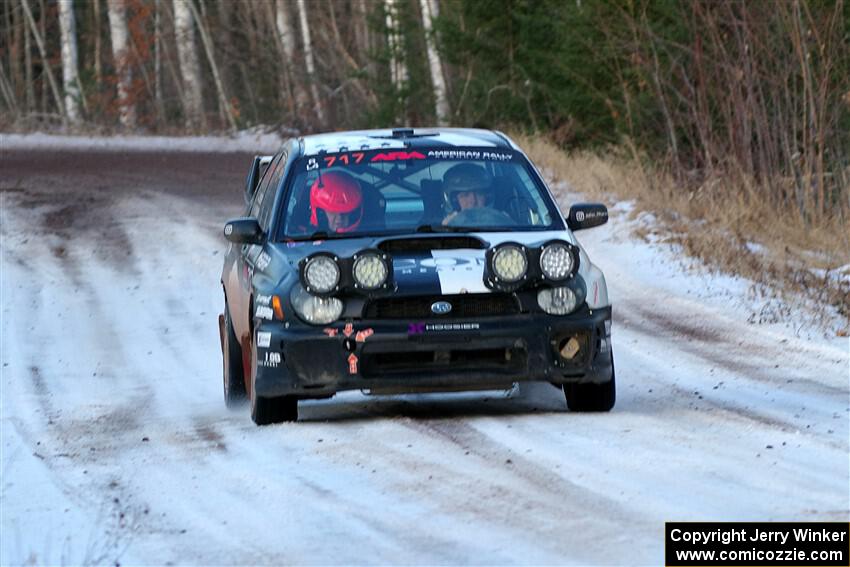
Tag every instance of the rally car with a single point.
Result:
(401, 261)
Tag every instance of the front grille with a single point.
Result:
(443, 359)
(463, 305)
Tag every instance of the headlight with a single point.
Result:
(557, 300)
(321, 274)
(509, 263)
(313, 309)
(370, 271)
(556, 261)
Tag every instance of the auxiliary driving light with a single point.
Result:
(510, 263)
(370, 270)
(320, 273)
(556, 261)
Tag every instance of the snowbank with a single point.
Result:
(244, 141)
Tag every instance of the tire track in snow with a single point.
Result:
(442, 465)
(540, 479)
(712, 344)
(719, 348)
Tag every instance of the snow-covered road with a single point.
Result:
(116, 445)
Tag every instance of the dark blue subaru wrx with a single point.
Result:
(396, 261)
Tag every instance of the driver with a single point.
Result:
(468, 186)
(336, 201)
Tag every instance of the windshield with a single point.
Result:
(427, 190)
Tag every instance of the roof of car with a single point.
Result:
(403, 138)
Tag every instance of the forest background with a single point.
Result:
(728, 120)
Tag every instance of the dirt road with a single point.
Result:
(116, 445)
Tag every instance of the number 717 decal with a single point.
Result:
(355, 158)
(344, 159)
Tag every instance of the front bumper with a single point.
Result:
(389, 356)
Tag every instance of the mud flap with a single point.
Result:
(246, 365)
(221, 331)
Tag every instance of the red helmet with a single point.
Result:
(336, 192)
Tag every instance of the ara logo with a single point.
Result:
(441, 307)
(394, 156)
(580, 216)
(228, 229)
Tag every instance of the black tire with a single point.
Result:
(233, 371)
(592, 397)
(265, 411)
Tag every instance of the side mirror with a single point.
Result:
(587, 215)
(255, 174)
(244, 230)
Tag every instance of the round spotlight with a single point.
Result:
(557, 300)
(321, 274)
(510, 263)
(370, 271)
(315, 310)
(556, 261)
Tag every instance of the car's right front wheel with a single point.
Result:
(592, 397)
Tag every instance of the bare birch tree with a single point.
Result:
(70, 71)
(286, 34)
(157, 60)
(98, 58)
(46, 63)
(15, 64)
(8, 92)
(39, 41)
(308, 62)
(398, 67)
(434, 64)
(119, 35)
(223, 102)
(28, 78)
(361, 28)
(190, 67)
(6, 85)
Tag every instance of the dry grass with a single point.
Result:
(720, 223)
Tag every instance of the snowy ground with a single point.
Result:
(116, 445)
